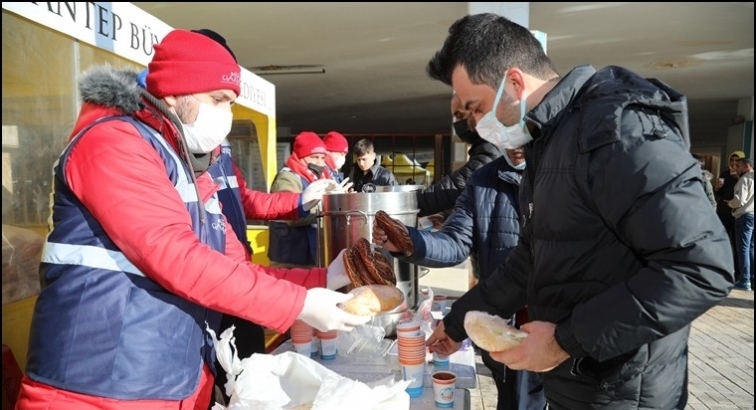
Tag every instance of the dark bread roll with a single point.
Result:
(396, 232)
(353, 271)
(384, 268)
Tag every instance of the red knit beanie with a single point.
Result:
(308, 143)
(335, 142)
(188, 63)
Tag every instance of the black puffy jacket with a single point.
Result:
(442, 195)
(619, 246)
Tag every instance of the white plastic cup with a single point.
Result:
(444, 383)
(315, 349)
(328, 349)
(439, 303)
(414, 373)
(408, 329)
(304, 349)
(440, 359)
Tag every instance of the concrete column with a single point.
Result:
(518, 12)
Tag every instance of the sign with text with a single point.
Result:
(129, 32)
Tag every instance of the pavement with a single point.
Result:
(721, 349)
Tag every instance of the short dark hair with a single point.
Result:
(362, 147)
(487, 45)
(746, 161)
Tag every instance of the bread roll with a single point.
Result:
(396, 232)
(491, 333)
(371, 300)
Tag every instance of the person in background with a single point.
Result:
(707, 177)
(138, 263)
(742, 210)
(724, 188)
(440, 197)
(338, 148)
(294, 243)
(366, 170)
(619, 250)
(485, 226)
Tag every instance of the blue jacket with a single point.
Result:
(483, 225)
(101, 326)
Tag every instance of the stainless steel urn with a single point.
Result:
(345, 218)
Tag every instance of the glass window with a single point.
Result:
(40, 105)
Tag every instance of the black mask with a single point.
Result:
(316, 169)
(464, 132)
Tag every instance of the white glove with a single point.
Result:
(337, 278)
(314, 192)
(320, 311)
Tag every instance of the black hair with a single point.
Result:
(746, 161)
(362, 147)
(218, 39)
(487, 45)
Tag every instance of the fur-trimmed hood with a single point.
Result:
(111, 88)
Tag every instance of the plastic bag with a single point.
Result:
(292, 381)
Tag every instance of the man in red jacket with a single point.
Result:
(139, 262)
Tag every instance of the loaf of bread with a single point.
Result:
(371, 300)
(491, 333)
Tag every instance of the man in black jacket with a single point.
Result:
(619, 250)
(366, 169)
(441, 196)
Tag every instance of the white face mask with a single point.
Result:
(340, 161)
(504, 137)
(209, 129)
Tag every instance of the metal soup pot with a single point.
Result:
(347, 217)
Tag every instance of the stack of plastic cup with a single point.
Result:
(327, 344)
(301, 337)
(439, 303)
(411, 349)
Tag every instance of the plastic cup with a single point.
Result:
(414, 373)
(440, 359)
(304, 349)
(315, 349)
(444, 383)
(328, 345)
(408, 329)
(439, 303)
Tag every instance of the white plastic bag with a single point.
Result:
(292, 381)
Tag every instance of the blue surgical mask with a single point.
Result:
(509, 161)
(504, 137)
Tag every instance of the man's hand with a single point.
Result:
(440, 342)
(437, 220)
(539, 352)
(337, 277)
(320, 311)
(381, 239)
(314, 192)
